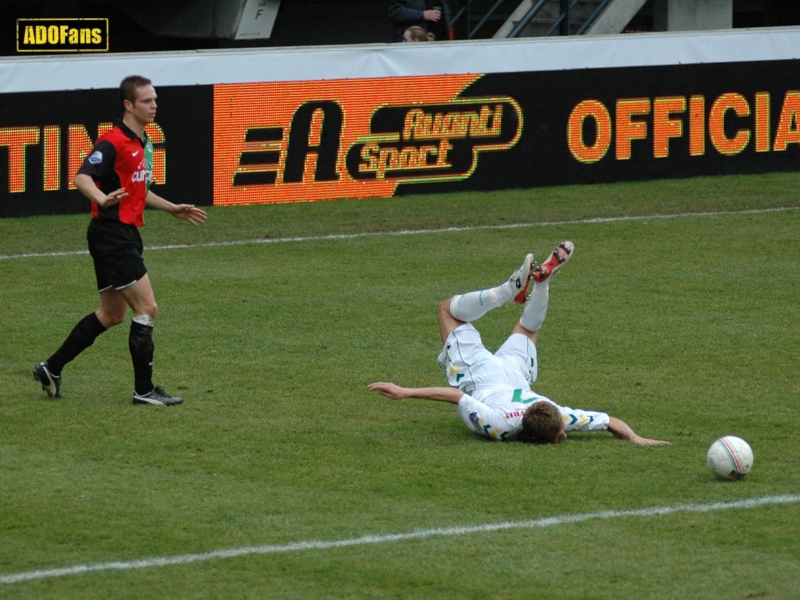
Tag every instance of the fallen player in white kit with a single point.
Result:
(493, 391)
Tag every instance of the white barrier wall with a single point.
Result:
(209, 67)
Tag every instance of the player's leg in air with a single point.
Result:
(463, 348)
(465, 308)
(536, 309)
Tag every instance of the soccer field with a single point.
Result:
(282, 476)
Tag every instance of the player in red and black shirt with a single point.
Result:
(116, 178)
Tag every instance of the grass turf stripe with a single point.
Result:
(182, 559)
(350, 236)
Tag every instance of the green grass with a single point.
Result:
(685, 327)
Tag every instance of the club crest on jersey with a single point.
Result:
(96, 158)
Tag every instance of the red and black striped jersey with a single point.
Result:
(120, 159)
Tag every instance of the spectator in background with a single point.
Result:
(432, 15)
(415, 33)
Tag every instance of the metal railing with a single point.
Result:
(562, 23)
(532, 12)
(466, 10)
(593, 17)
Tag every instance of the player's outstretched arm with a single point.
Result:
(187, 212)
(86, 186)
(623, 431)
(396, 392)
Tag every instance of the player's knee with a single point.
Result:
(444, 307)
(149, 308)
(110, 319)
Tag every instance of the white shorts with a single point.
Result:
(470, 366)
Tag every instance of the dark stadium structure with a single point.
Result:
(152, 25)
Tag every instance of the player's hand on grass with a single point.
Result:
(189, 212)
(390, 390)
(622, 430)
(648, 442)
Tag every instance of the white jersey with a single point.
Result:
(496, 412)
(497, 386)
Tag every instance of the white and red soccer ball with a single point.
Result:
(730, 458)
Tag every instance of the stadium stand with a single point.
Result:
(201, 24)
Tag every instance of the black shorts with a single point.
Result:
(116, 249)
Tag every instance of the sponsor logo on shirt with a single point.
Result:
(141, 175)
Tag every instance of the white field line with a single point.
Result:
(351, 236)
(182, 559)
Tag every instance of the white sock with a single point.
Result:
(536, 309)
(473, 305)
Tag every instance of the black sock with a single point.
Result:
(140, 342)
(83, 335)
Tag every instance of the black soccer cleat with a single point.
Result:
(50, 383)
(157, 397)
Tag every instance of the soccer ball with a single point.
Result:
(730, 458)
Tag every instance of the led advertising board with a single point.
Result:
(44, 138)
(284, 141)
(355, 138)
